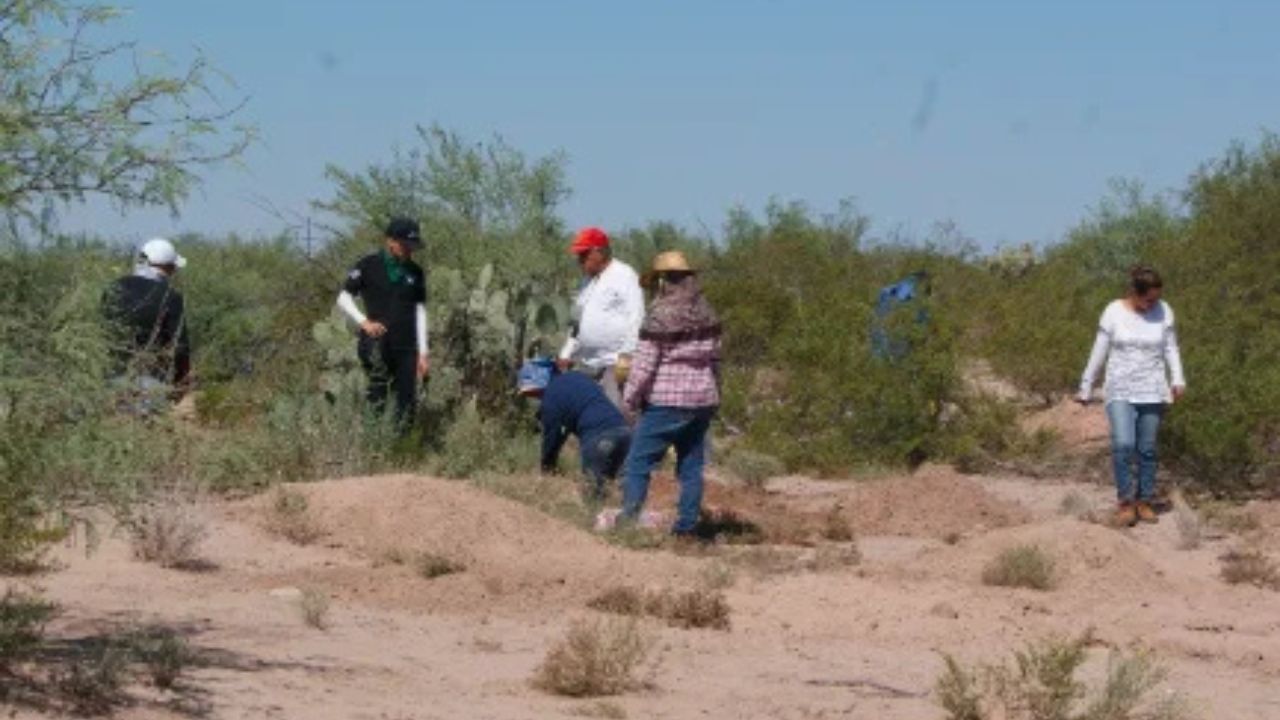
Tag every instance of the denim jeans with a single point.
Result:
(1133, 431)
(661, 428)
(602, 456)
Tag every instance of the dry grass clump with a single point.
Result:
(595, 658)
(1190, 527)
(1250, 567)
(1026, 566)
(169, 530)
(696, 608)
(753, 468)
(1042, 684)
(290, 517)
(432, 565)
(717, 575)
(92, 684)
(1230, 518)
(1076, 505)
(601, 709)
(836, 527)
(313, 605)
(165, 654)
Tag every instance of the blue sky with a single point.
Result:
(1007, 118)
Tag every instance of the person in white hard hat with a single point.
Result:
(151, 348)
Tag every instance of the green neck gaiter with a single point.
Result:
(395, 270)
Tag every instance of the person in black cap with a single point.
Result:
(393, 331)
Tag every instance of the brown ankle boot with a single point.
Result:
(1126, 515)
(1146, 513)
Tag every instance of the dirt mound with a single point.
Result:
(1089, 558)
(1079, 428)
(935, 501)
(507, 556)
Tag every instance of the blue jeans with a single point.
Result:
(1133, 430)
(602, 456)
(661, 428)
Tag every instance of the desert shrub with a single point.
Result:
(753, 468)
(691, 608)
(594, 659)
(165, 656)
(694, 608)
(1250, 567)
(92, 683)
(983, 433)
(1027, 566)
(1075, 504)
(801, 379)
(836, 526)
(289, 516)
(1042, 684)
(474, 444)
(619, 600)
(168, 529)
(433, 565)
(313, 606)
(1190, 526)
(22, 621)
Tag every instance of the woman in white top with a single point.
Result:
(1136, 339)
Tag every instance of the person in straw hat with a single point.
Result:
(674, 387)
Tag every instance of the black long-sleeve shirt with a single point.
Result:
(574, 404)
(148, 323)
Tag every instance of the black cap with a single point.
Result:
(404, 230)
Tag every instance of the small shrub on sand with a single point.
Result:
(165, 656)
(1230, 518)
(290, 517)
(91, 684)
(831, 557)
(1190, 528)
(1026, 566)
(717, 575)
(432, 565)
(594, 659)
(313, 604)
(619, 600)
(601, 709)
(1076, 505)
(1250, 567)
(169, 531)
(753, 468)
(696, 608)
(22, 621)
(1042, 684)
(690, 608)
(836, 527)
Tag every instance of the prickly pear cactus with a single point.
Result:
(341, 374)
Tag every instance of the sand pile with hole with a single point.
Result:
(513, 557)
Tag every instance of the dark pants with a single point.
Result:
(661, 428)
(390, 370)
(602, 456)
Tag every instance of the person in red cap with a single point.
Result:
(607, 314)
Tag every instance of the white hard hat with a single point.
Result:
(159, 251)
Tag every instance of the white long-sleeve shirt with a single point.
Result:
(609, 309)
(347, 304)
(1140, 352)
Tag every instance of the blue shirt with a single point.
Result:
(573, 404)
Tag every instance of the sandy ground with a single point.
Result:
(860, 641)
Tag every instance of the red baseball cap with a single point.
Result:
(589, 238)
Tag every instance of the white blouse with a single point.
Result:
(1141, 355)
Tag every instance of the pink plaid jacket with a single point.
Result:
(682, 374)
